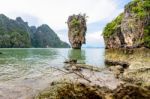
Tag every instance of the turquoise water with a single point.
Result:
(15, 63)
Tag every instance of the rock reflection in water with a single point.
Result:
(77, 54)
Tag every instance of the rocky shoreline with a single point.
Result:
(86, 82)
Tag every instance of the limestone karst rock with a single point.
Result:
(131, 28)
(77, 30)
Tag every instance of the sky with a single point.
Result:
(56, 12)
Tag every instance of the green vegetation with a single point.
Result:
(111, 27)
(139, 7)
(75, 22)
(44, 36)
(146, 38)
(13, 33)
(17, 34)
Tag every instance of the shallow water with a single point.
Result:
(20, 62)
(26, 70)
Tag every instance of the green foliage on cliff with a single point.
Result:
(17, 34)
(136, 9)
(111, 27)
(146, 38)
(75, 22)
(140, 8)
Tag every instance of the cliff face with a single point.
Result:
(131, 28)
(18, 34)
(77, 30)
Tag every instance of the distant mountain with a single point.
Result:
(17, 34)
(44, 36)
(13, 33)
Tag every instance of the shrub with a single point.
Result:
(111, 27)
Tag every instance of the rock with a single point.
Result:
(131, 28)
(114, 63)
(116, 40)
(72, 67)
(79, 90)
(138, 76)
(118, 67)
(71, 61)
(129, 91)
(117, 70)
(75, 68)
(77, 30)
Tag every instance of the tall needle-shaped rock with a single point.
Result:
(77, 30)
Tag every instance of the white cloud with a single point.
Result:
(94, 39)
(56, 12)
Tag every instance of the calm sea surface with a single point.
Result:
(15, 63)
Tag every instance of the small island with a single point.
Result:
(77, 30)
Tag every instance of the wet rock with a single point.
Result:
(117, 67)
(129, 91)
(71, 61)
(138, 77)
(78, 90)
(114, 63)
(77, 30)
(72, 67)
(117, 70)
(69, 90)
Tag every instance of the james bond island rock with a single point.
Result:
(130, 29)
(77, 30)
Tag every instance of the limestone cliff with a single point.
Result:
(131, 28)
(77, 30)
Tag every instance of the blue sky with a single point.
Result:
(55, 14)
